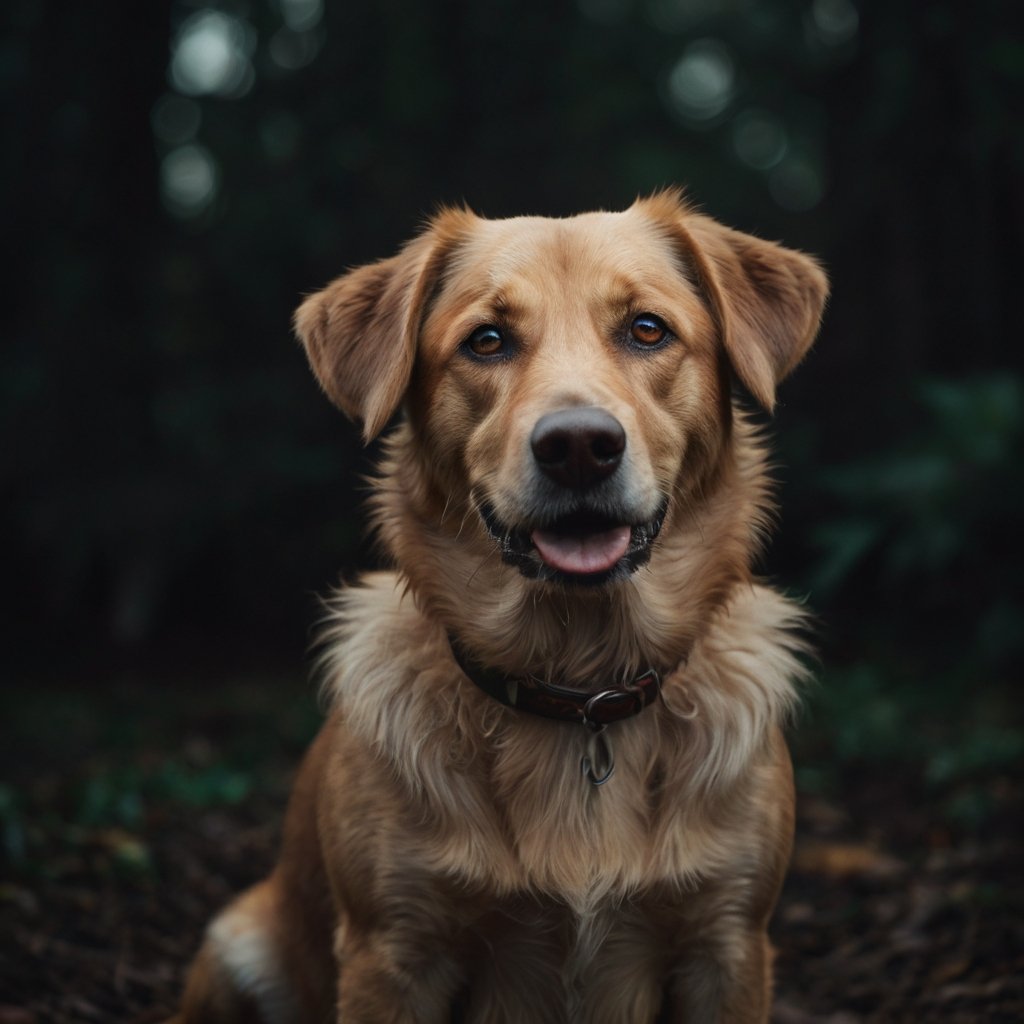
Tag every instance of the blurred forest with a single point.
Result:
(176, 175)
(175, 182)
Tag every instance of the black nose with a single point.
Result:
(578, 447)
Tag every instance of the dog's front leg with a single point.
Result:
(731, 984)
(393, 977)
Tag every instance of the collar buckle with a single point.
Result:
(611, 705)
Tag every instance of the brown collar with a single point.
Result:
(593, 708)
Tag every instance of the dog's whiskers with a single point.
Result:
(476, 571)
(444, 511)
(462, 523)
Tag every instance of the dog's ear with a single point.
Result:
(768, 299)
(361, 332)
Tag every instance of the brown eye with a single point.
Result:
(647, 330)
(486, 341)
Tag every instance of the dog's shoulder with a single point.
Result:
(375, 643)
(755, 641)
(741, 683)
(387, 668)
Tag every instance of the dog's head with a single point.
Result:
(568, 380)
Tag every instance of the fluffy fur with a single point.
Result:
(444, 857)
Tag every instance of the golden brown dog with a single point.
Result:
(552, 786)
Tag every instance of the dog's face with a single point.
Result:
(565, 370)
(567, 379)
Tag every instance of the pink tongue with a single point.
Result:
(597, 552)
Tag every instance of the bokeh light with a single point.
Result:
(302, 15)
(292, 50)
(702, 82)
(759, 139)
(797, 184)
(175, 119)
(189, 179)
(835, 22)
(211, 55)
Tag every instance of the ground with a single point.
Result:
(130, 813)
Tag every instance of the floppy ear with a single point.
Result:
(361, 332)
(768, 300)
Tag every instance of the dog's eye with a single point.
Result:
(486, 341)
(647, 330)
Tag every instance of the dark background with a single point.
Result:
(170, 470)
(176, 491)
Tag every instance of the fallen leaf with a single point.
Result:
(842, 860)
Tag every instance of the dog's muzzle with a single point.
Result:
(582, 532)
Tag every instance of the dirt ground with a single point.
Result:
(888, 914)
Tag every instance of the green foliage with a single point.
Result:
(925, 529)
(981, 751)
(926, 502)
(122, 764)
(912, 562)
(961, 745)
(869, 713)
(120, 795)
(105, 811)
(12, 826)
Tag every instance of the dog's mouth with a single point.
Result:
(582, 546)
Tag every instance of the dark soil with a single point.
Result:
(889, 914)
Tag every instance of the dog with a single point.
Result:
(552, 785)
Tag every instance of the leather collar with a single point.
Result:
(593, 708)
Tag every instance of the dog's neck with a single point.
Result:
(573, 635)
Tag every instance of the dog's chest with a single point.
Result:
(559, 834)
(573, 960)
